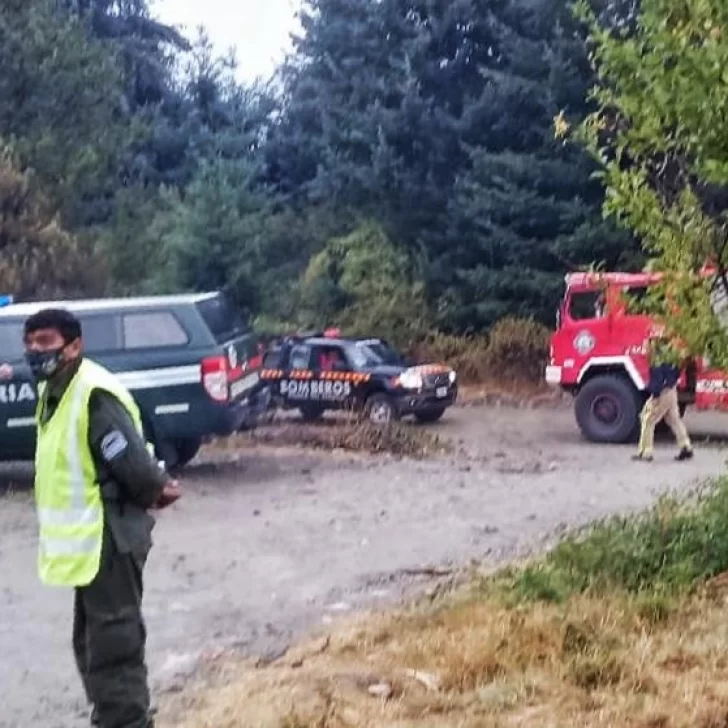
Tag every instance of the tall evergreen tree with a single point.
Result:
(436, 119)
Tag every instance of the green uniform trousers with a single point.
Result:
(109, 638)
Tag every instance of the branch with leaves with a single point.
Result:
(660, 134)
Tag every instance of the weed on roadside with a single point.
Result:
(350, 435)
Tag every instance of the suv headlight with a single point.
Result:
(453, 377)
(410, 379)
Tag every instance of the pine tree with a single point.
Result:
(436, 120)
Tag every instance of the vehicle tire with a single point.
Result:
(177, 453)
(311, 412)
(380, 409)
(186, 450)
(430, 415)
(263, 409)
(607, 409)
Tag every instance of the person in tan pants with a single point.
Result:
(662, 404)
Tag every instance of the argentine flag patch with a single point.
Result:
(113, 445)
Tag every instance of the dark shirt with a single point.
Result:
(130, 478)
(662, 377)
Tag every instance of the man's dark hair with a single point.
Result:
(63, 321)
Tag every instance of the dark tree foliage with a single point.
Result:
(430, 122)
(436, 119)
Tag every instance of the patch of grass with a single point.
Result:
(670, 548)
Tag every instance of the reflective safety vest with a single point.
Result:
(67, 491)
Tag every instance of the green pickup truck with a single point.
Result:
(190, 361)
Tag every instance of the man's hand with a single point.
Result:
(6, 371)
(170, 494)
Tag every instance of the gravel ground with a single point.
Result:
(268, 543)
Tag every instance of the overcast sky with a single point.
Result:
(259, 29)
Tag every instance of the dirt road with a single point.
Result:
(268, 544)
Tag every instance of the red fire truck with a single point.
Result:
(599, 355)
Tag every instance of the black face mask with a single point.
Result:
(44, 364)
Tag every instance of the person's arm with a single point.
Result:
(115, 442)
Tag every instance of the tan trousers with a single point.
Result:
(657, 408)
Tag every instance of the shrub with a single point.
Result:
(366, 285)
(517, 350)
(466, 354)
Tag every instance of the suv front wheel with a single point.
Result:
(607, 409)
(433, 414)
(311, 412)
(380, 409)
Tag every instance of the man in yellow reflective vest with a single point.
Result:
(96, 479)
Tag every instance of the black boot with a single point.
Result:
(685, 454)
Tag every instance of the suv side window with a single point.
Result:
(330, 359)
(273, 358)
(11, 341)
(300, 357)
(586, 305)
(152, 329)
(101, 333)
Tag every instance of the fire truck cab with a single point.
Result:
(599, 353)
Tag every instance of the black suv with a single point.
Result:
(316, 372)
(191, 363)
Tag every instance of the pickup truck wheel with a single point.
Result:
(311, 412)
(430, 415)
(607, 409)
(381, 410)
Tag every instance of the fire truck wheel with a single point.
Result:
(607, 409)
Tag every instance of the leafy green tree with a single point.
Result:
(364, 284)
(210, 237)
(660, 136)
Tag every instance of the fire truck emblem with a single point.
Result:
(584, 342)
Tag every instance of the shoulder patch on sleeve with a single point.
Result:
(113, 445)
